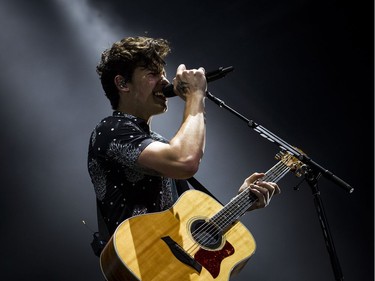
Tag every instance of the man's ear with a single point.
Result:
(121, 83)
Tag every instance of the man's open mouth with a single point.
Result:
(160, 95)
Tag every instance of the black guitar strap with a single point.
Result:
(198, 186)
(101, 237)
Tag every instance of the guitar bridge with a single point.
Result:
(181, 254)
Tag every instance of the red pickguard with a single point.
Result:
(211, 260)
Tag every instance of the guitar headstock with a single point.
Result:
(295, 165)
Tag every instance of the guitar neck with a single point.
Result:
(238, 206)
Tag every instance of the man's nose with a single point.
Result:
(164, 81)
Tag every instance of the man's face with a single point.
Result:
(146, 89)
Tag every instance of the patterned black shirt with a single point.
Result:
(123, 188)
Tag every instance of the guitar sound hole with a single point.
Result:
(206, 234)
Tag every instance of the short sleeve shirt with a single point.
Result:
(123, 188)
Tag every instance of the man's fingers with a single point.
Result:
(180, 69)
(254, 177)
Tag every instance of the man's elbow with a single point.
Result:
(189, 167)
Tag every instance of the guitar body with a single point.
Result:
(165, 245)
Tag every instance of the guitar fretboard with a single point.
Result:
(232, 211)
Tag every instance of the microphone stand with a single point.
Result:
(314, 172)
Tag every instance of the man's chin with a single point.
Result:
(163, 109)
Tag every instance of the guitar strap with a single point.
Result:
(197, 185)
(101, 237)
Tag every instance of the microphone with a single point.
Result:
(210, 76)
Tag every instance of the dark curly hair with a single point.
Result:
(126, 55)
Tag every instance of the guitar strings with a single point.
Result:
(247, 198)
(234, 209)
(244, 200)
(240, 203)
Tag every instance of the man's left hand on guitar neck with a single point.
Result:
(263, 190)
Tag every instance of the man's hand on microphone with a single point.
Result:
(190, 82)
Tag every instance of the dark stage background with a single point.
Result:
(303, 70)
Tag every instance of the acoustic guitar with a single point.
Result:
(196, 239)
